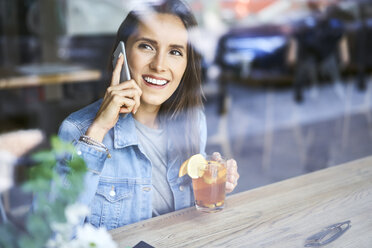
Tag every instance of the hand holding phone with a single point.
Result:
(122, 97)
(125, 73)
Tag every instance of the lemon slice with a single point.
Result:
(194, 166)
(183, 169)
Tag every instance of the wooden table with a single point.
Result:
(282, 214)
(41, 75)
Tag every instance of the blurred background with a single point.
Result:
(288, 87)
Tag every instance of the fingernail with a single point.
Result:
(121, 54)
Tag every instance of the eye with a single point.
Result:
(176, 53)
(145, 46)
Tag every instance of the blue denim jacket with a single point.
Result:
(118, 190)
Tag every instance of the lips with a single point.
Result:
(155, 82)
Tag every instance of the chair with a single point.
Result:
(13, 145)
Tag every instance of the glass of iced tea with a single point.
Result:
(209, 186)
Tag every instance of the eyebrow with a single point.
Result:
(154, 42)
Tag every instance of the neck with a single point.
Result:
(147, 115)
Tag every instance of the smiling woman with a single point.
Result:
(157, 57)
(135, 139)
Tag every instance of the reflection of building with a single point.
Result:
(241, 8)
(36, 30)
(94, 16)
(251, 12)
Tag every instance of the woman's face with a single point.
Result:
(157, 57)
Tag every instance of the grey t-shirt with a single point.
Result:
(154, 144)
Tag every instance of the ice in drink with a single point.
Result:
(209, 188)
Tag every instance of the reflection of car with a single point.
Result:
(257, 53)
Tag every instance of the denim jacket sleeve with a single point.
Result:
(94, 158)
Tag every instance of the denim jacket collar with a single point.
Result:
(125, 132)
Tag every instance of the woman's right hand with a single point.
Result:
(120, 97)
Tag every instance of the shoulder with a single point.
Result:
(202, 130)
(201, 115)
(78, 122)
(202, 123)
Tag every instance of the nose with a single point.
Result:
(158, 62)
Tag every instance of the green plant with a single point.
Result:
(52, 193)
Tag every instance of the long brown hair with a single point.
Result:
(180, 113)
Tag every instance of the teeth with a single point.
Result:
(155, 81)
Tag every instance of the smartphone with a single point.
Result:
(125, 73)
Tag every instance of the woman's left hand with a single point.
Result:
(232, 172)
(232, 175)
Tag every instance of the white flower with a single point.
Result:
(89, 236)
(61, 228)
(75, 212)
(59, 241)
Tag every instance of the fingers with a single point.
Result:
(131, 84)
(115, 80)
(117, 85)
(232, 175)
(216, 156)
(232, 166)
(128, 89)
(137, 102)
(128, 106)
(232, 172)
(127, 100)
(229, 187)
